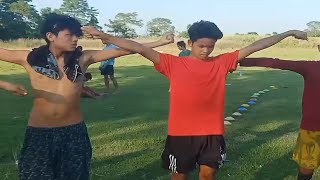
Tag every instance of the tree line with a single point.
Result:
(20, 19)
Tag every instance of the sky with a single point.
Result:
(231, 16)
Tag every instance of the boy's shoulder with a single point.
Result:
(225, 55)
(185, 52)
(169, 56)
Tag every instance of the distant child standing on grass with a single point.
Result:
(107, 70)
(182, 47)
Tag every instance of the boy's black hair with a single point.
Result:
(88, 76)
(181, 44)
(55, 23)
(204, 29)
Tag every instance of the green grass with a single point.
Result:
(128, 130)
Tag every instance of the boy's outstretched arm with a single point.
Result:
(86, 92)
(128, 46)
(270, 41)
(161, 42)
(14, 56)
(16, 89)
(296, 66)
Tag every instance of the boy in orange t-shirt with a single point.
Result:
(196, 128)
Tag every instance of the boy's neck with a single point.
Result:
(192, 55)
(56, 52)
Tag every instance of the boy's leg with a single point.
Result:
(104, 72)
(212, 157)
(113, 79)
(106, 83)
(86, 92)
(115, 83)
(305, 174)
(179, 156)
(307, 153)
(177, 176)
(37, 157)
(93, 91)
(206, 173)
(76, 153)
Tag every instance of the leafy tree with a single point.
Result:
(122, 25)
(313, 29)
(159, 26)
(18, 19)
(80, 10)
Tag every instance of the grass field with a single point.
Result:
(128, 130)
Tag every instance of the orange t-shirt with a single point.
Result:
(197, 92)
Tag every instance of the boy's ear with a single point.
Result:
(189, 43)
(50, 36)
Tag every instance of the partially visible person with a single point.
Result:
(107, 70)
(86, 90)
(183, 49)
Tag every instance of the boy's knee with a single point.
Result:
(206, 173)
(305, 174)
(176, 176)
(306, 171)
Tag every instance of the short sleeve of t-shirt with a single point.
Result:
(230, 60)
(166, 64)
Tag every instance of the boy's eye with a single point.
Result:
(209, 47)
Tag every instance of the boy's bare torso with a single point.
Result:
(56, 102)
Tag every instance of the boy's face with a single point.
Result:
(180, 48)
(202, 48)
(65, 40)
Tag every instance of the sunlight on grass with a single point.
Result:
(270, 126)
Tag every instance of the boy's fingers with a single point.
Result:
(22, 91)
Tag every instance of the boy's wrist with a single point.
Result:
(104, 37)
(289, 33)
(4, 85)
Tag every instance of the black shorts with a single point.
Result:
(107, 70)
(183, 153)
(56, 153)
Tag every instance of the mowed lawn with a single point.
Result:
(128, 130)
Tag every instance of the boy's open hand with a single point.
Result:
(91, 32)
